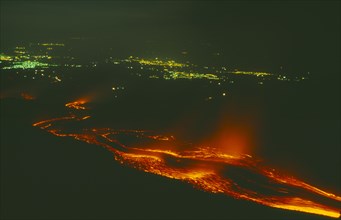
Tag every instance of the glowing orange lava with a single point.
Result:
(206, 168)
(79, 105)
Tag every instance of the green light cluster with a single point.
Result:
(29, 65)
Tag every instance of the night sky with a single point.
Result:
(294, 34)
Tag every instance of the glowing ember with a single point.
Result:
(79, 105)
(241, 176)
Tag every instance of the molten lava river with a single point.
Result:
(206, 168)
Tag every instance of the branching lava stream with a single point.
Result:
(206, 168)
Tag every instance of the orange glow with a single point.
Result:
(43, 123)
(298, 204)
(79, 104)
(161, 137)
(27, 96)
(232, 140)
(234, 143)
(206, 168)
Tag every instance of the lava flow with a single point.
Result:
(79, 105)
(206, 168)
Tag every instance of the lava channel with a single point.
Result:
(241, 177)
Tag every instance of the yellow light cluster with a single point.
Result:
(157, 62)
(190, 75)
(258, 74)
(20, 52)
(5, 57)
(42, 57)
(283, 78)
(51, 44)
